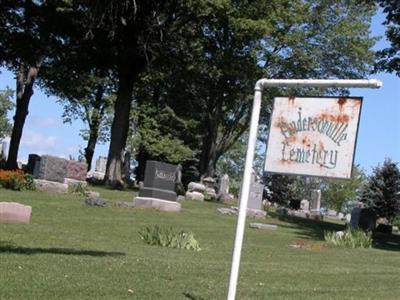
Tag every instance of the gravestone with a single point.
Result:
(76, 170)
(363, 218)
(254, 203)
(305, 205)
(224, 185)
(179, 188)
(158, 190)
(209, 193)
(255, 195)
(315, 200)
(195, 191)
(15, 212)
(51, 168)
(223, 191)
(32, 160)
(3, 149)
(101, 164)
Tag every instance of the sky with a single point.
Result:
(378, 135)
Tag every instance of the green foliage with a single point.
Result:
(16, 180)
(5, 106)
(389, 57)
(382, 191)
(78, 188)
(86, 253)
(232, 162)
(350, 238)
(336, 192)
(396, 221)
(282, 189)
(168, 237)
(159, 132)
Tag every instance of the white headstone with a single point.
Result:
(305, 205)
(224, 185)
(101, 164)
(315, 200)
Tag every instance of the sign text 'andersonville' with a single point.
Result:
(313, 136)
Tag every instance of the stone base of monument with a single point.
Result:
(50, 186)
(159, 204)
(251, 212)
(74, 183)
(256, 213)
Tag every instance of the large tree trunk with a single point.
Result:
(24, 92)
(208, 155)
(119, 128)
(94, 126)
(141, 159)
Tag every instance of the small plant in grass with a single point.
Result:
(350, 238)
(396, 221)
(168, 237)
(16, 180)
(78, 188)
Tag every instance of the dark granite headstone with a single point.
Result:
(363, 218)
(367, 220)
(159, 181)
(32, 160)
(51, 168)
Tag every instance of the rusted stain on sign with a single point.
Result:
(313, 136)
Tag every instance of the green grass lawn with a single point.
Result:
(73, 251)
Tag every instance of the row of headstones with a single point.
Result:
(56, 169)
(56, 174)
(314, 205)
(101, 165)
(161, 179)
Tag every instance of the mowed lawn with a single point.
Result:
(73, 251)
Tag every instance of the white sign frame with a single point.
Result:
(313, 136)
(261, 85)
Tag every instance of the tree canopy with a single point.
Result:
(5, 106)
(389, 58)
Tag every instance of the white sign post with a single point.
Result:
(259, 87)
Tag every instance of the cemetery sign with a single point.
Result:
(313, 136)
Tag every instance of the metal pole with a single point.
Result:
(244, 195)
(260, 85)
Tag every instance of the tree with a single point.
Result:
(222, 48)
(85, 95)
(5, 106)
(389, 58)
(158, 137)
(123, 36)
(382, 191)
(336, 192)
(28, 31)
(282, 189)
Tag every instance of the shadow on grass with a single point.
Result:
(389, 242)
(191, 296)
(308, 228)
(314, 229)
(9, 248)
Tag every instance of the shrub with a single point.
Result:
(382, 192)
(167, 237)
(16, 180)
(350, 238)
(396, 221)
(78, 188)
